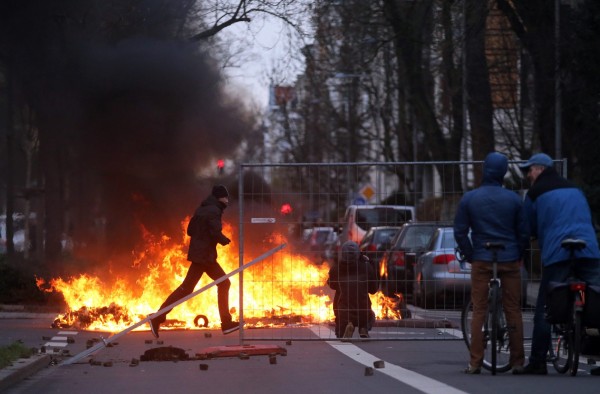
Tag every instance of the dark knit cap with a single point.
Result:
(220, 191)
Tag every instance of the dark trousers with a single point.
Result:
(195, 272)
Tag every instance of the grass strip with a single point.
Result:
(13, 352)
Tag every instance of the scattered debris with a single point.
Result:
(165, 353)
(203, 367)
(379, 364)
(273, 358)
(369, 371)
(237, 350)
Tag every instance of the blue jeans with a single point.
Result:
(585, 269)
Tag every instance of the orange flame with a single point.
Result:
(283, 286)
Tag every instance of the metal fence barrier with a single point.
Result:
(304, 205)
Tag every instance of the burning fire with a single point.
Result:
(284, 288)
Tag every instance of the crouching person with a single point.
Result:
(352, 278)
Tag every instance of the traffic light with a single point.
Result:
(286, 209)
(220, 166)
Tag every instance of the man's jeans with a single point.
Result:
(584, 269)
(510, 275)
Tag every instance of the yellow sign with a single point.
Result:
(367, 192)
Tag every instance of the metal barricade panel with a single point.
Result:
(305, 206)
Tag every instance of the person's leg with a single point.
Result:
(510, 275)
(480, 277)
(214, 271)
(187, 287)
(541, 338)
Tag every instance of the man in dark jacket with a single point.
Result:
(205, 230)
(493, 214)
(353, 279)
(556, 210)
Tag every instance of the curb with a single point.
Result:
(21, 369)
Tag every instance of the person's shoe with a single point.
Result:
(228, 328)
(517, 370)
(363, 332)
(348, 332)
(531, 369)
(472, 370)
(154, 326)
(595, 371)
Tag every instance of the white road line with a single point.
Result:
(56, 344)
(60, 340)
(413, 379)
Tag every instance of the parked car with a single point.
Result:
(396, 268)
(440, 279)
(376, 241)
(358, 219)
(331, 247)
(317, 242)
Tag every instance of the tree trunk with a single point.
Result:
(478, 83)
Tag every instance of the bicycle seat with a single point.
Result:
(573, 244)
(494, 246)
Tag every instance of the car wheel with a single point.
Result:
(422, 293)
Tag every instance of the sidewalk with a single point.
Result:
(22, 369)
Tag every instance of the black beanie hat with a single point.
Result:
(220, 191)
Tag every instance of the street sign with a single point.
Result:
(359, 201)
(262, 220)
(367, 192)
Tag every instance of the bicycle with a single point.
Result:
(564, 310)
(495, 329)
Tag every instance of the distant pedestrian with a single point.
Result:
(205, 230)
(352, 278)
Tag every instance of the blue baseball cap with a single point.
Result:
(540, 159)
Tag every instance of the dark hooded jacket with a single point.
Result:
(353, 279)
(492, 214)
(205, 230)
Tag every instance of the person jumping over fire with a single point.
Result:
(205, 230)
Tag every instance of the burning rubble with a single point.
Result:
(286, 288)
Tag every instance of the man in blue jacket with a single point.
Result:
(493, 214)
(556, 210)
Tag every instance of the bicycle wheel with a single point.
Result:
(576, 342)
(465, 323)
(561, 350)
(493, 304)
(502, 354)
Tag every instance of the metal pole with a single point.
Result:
(557, 91)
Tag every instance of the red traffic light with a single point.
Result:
(220, 164)
(286, 209)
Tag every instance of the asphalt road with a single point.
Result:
(308, 366)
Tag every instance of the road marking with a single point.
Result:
(60, 340)
(413, 379)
